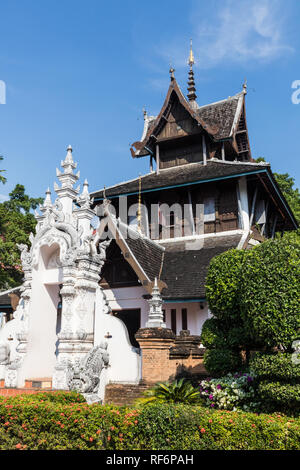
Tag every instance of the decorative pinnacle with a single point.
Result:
(245, 86)
(47, 201)
(171, 72)
(84, 199)
(156, 316)
(68, 164)
(191, 58)
(67, 178)
(191, 81)
(85, 187)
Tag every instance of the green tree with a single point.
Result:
(2, 178)
(16, 223)
(225, 335)
(254, 298)
(21, 202)
(269, 292)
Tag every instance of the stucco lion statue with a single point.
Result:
(85, 376)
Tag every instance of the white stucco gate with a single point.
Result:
(64, 265)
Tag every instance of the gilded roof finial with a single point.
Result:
(191, 82)
(245, 86)
(191, 58)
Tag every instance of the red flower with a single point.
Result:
(202, 430)
(91, 439)
(98, 432)
(19, 446)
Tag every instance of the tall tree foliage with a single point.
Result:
(2, 178)
(254, 298)
(16, 223)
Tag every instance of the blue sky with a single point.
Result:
(80, 73)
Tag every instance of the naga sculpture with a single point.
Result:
(85, 376)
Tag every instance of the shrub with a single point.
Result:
(277, 396)
(31, 424)
(275, 367)
(211, 335)
(254, 298)
(269, 294)
(221, 361)
(179, 391)
(278, 382)
(234, 391)
(223, 284)
(225, 334)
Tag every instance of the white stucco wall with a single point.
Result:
(40, 359)
(124, 359)
(129, 298)
(195, 315)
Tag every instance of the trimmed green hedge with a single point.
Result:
(34, 422)
(275, 367)
(278, 381)
(279, 396)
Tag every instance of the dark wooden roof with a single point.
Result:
(221, 115)
(184, 270)
(174, 92)
(183, 174)
(218, 119)
(181, 265)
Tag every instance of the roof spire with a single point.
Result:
(191, 81)
(191, 58)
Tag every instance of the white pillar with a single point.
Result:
(243, 203)
(204, 150)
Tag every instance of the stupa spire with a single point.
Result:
(191, 81)
(155, 316)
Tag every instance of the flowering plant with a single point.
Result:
(231, 392)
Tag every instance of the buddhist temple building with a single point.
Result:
(119, 274)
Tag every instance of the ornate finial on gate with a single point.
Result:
(47, 201)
